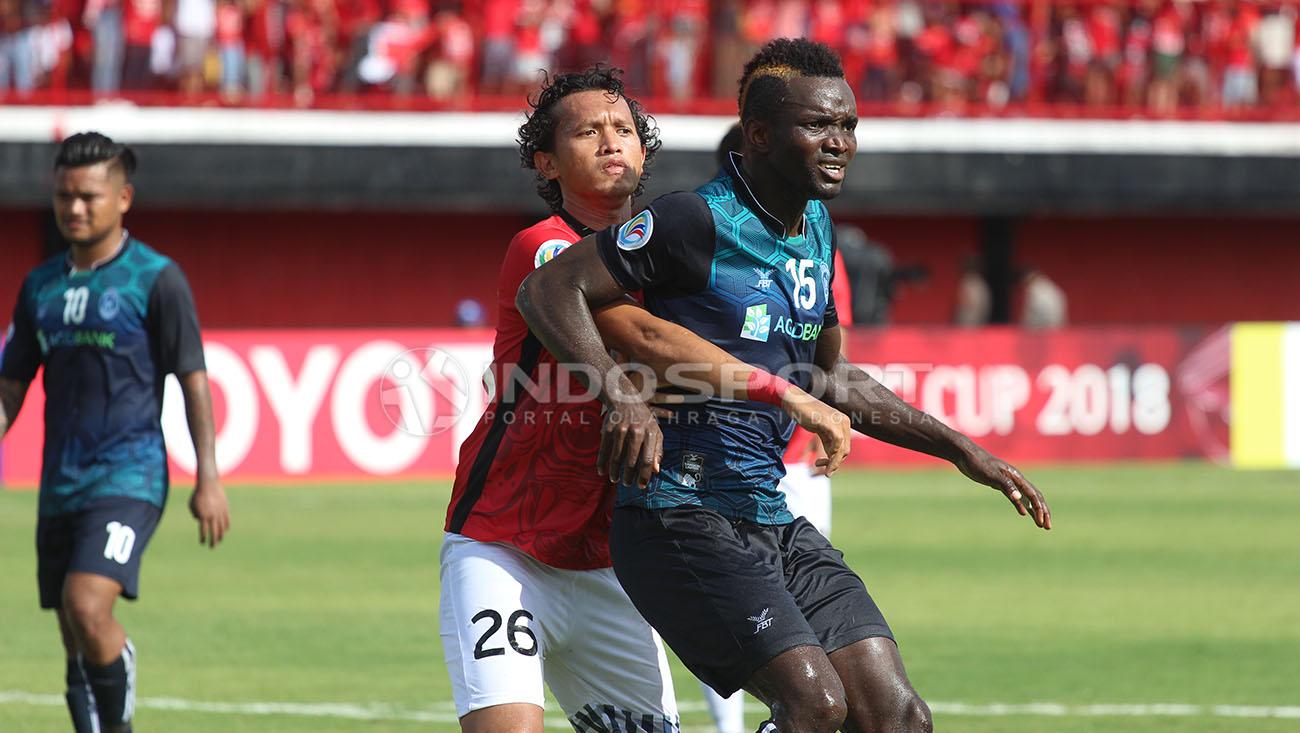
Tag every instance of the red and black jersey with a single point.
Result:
(527, 473)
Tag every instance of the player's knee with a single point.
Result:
(86, 613)
(820, 713)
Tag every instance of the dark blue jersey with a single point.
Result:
(716, 262)
(107, 337)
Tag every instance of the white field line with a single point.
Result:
(444, 712)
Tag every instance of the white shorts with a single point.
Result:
(511, 623)
(808, 496)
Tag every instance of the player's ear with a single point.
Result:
(546, 164)
(126, 198)
(758, 135)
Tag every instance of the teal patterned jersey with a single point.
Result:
(106, 337)
(714, 261)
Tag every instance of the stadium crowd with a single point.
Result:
(1109, 56)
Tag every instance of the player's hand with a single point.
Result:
(209, 507)
(631, 444)
(818, 457)
(831, 427)
(983, 467)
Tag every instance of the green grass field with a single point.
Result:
(1173, 584)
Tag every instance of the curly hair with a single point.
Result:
(91, 148)
(538, 133)
(763, 82)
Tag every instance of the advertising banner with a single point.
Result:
(322, 405)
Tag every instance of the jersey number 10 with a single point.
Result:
(74, 304)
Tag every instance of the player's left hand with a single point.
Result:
(983, 467)
(209, 507)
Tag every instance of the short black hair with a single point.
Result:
(763, 83)
(92, 148)
(730, 143)
(538, 133)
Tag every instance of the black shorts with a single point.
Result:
(106, 537)
(730, 596)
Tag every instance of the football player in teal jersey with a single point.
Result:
(747, 595)
(108, 321)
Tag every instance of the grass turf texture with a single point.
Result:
(1160, 584)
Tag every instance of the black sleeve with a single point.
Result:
(174, 324)
(20, 356)
(831, 316)
(666, 248)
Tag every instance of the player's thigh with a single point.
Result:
(612, 674)
(722, 608)
(808, 495)
(831, 596)
(55, 540)
(111, 535)
(496, 608)
(515, 717)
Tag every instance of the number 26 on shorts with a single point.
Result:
(514, 630)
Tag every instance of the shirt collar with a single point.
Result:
(121, 247)
(582, 230)
(746, 193)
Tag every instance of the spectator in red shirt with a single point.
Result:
(356, 19)
(1240, 84)
(264, 46)
(681, 27)
(230, 47)
(1168, 41)
(498, 44)
(449, 68)
(143, 18)
(1104, 24)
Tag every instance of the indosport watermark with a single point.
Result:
(427, 391)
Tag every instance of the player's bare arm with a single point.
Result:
(12, 394)
(879, 413)
(669, 348)
(556, 301)
(208, 502)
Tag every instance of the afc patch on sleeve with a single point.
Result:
(549, 249)
(635, 232)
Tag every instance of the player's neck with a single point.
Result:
(597, 215)
(86, 256)
(775, 196)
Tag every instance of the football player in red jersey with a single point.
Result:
(528, 595)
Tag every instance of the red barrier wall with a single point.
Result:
(314, 269)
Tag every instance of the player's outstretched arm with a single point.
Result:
(556, 301)
(208, 502)
(879, 413)
(680, 358)
(12, 394)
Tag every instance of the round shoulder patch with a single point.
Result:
(636, 231)
(549, 249)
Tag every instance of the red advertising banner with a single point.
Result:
(1071, 395)
(312, 405)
